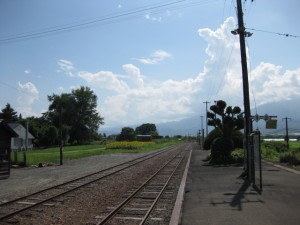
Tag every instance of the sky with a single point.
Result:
(147, 61)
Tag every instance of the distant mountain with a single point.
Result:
(191, 126)
(289, 109)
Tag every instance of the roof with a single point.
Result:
(20, 130)
(8, 128)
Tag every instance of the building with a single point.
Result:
(6, 134)
(143, 137)
(19, 143)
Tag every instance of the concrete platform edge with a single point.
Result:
(177, 211)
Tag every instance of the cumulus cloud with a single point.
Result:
(137, 99)
(223, 74)
(271, 84)
(29, 94)
(105, 79)
(156, 57)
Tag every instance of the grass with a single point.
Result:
(278, 152)
(52, 155)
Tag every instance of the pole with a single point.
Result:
(61, 140)
(286, 131)
(248, 127)
(206, 117)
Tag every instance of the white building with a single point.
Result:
(19, 143)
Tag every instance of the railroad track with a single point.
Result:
(47, 197)
(148, 202)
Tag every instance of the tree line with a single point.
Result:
(71, 118)
(129, 134)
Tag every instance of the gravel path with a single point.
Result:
(27, 180)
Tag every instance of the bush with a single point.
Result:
(292, 158)
(277, 146)
(221, 149)
(215, 133)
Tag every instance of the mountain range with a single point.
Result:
(191, 126)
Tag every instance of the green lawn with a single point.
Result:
(52, 155)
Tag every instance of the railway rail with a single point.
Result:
(43, 197)
(147, 203)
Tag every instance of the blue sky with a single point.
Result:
(147, 61)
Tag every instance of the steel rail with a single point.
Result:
(134, 162)
(123, 203)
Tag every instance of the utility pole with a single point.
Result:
(206, 117)
(248, 123)
(286, 138)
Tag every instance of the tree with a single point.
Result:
(8, 114)
(78, 112)
(147, 129)
(127, 134)
(227, 122)
(52, 134)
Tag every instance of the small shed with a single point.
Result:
(19, 143)
(141, 137)
(6, 133)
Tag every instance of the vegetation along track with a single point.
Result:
(9, 211)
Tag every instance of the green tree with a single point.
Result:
(8, 114)
(78, 112)
(127, 134)
(52, 134)
(146, 129)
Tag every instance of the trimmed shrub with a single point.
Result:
(221, 149)
(215, 133)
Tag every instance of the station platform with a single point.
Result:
(214, 195)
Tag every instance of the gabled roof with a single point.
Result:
(20, 130)
(8, 128)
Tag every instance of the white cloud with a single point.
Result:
(156, 57)
(66, 66)
(136, 99)
(27, 71)
(272, 85)
(105, 79)
(143, 101)
(148, 16)
(223, 74)
(28, 95)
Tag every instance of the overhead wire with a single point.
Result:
(273, 32)
(103, 20)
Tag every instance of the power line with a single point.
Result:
(272, 32)
(107, 19)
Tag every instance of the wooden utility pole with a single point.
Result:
(206, 117)
(286, 138)
(248, 123)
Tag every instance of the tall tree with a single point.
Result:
(8, 114)
(76, 110)
(127, 134)
(146, 129)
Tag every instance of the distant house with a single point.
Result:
(6, 133)
(143, 137)
(19, 142)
